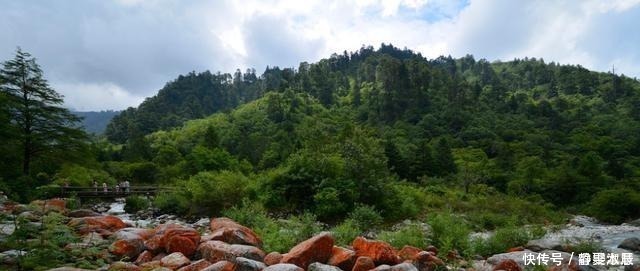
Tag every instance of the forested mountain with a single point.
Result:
(382, 128)
(96, 121)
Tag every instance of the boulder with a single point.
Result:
(342, 257)
(315, 249)
(129, 248)
(82, 213)
(426, 261)
(632, 244)
(174, 261)
(144, 257)
(196, 266)
(229, 231)
(64, 268)
(220, 266)
(124, 266)
(214, 251)
(104, 225)
(380, 252)
(272, 258)
(409, 253)
(51, 205)
(322, 267)
(432, 249)
(363, 263)
(283, 267)
(382, 267)
(507, 265)
(404, 267)
(152, 265)
(128, 233)
(244, 264)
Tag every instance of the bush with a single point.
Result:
(505, 238)
(449, 232)
(615, 205)
(135, 203)
(412, 234)
(365, 217)
(345, 232)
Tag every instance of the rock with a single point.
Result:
(104, 225)
(342, 258)
(174, 261)
(409, 253)
(432, 249)
(64, 268)
(214, 251)
(129, 248)
(124, 266)
(229, 231)
(151, 265)
(82, 213)
(507, 265)
(51, 205)
(404, 267)
(383, 267)
(514, 249)
(196, 266)
(427, 261)
(144, 257)
(29, 216)
(93, 238)
(272, 258)
(322, 267)
(380, 252)
(220, 266)
(632, 244)
(315, 249)
(11, 256)
(244, 264)
(127, 233)
(363, 263)
(161, 268)
(283, 267)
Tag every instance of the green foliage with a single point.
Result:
(365, 217)
(615, 205)
(206, 193)
(505, 238)
(449, 232)
(345, 232)
(411, 234)
(136, 203)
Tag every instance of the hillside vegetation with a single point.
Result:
(389, 131)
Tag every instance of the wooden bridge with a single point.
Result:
(92, 192)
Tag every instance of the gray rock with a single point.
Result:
(283, 267)
(404, 267)
(11, 256)
(632, 244)
(322, 267)
(244, 264)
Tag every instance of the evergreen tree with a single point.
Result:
(35, 110)
(443, 159)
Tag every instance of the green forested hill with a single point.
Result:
(373, 126)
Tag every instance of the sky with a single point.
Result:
(111, 54)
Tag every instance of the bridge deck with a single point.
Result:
(90, 192)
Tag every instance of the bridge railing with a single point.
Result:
(84, 191)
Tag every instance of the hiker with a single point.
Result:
(95, 187)
(126, 186)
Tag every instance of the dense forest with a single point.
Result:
(386, 130)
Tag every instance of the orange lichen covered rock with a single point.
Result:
(272, 258)
(508, 265)
(363, 263)
(229, 231)
(342, 257)
(104, 225)
(315, 249)
(409, 253)
(380, 252)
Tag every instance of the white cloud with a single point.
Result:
(90, 97)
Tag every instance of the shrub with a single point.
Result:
(135, 203)
(449, 232)
(346, 231)
(365, 217)
(505, 238)
(412, 234)
(615, 205)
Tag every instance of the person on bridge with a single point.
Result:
(126, 186)
(117, 188)
(105, 189)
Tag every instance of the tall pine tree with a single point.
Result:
(43, 126)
